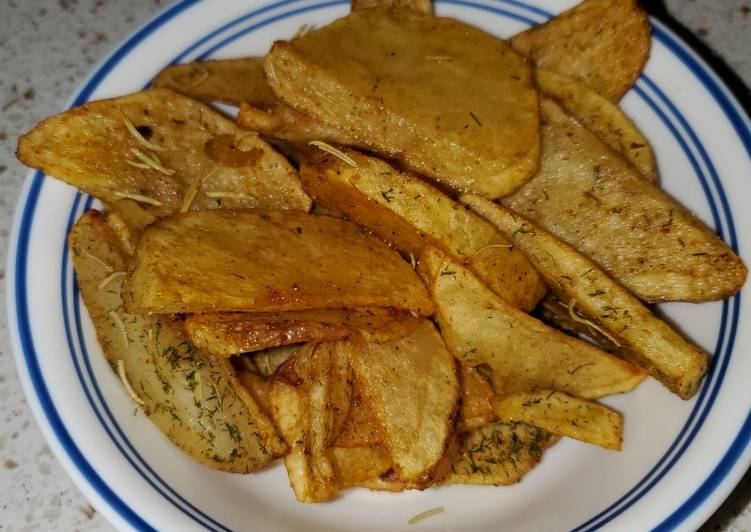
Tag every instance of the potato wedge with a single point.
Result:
(283, 123)
(232, 333)
(564, 415)
(602, 117)
(607, 307)
(522, 353)
(499, 454)
(258, 387)
(422, 6)
(310, 397)
(591, 198)
(164, 150)
(367, 467)
(412, 386)
(128, 219)
(604, 43)
(405, 210)
(232, 81)
(193, 397)
(443, 98)
(266, 261)
(476, 409)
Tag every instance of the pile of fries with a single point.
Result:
(417, 256)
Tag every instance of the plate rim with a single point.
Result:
(713, 490)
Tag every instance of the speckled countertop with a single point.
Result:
(46, 49)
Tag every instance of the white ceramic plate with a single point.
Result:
(679, 461)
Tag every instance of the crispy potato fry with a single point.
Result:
(602, 117)
(563, 414)
(604, 43)
(445, 99)
(591, 198)
(128, 220)
(165, 151)
(555, 312)
(231, 333)
(361, 428)
(367, 467)
(403, 209)
(522, 353)
(282, 122)
(193, 397)
(412, 387)
(422, 6)
(476, 409)
(310, 397)
(499, 454)
(266, 261)
(258, 387)
(606, 306)
(232, 81)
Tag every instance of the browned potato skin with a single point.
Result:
(177, 384)
(266, 261)
(638, 335)
(498, 454)
(564, 415)
(89, 147)
(602, 117)
(227, 334)
(604, 43)
(411, 214)
(422, 6)
(232, 81)
(470, 121)
(522, 353)
(412, 387)
(591, 198)
(476, 409)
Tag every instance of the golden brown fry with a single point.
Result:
(476, 409)
(266, 261)
(232, 81)
(602, 117)
(607, 307)
(258, 387)
(412, 387)
(604, 43)
(563, 414)
(591, 198)
(193, 397)
(522, 353)
(405, 210)
(165, 151)
(128, 219)
(366, 467)
(499, 454)
(445, 99)
(421, 6)
(231, 333)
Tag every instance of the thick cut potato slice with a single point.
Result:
(164, 150)
(258, 387)
(266, 261)
(476, 409)
(193, 397)
(498, 454)
(284, 123)
(602, 117)
(128, 219)
(232, 81)
(405, 210)
(606, 306)
(445, 99)
(522, 353)
(412, 386)
(361, 428)
(232, 333)
(310, 397)
(422, 6)
(366, 467)
(591, 198)
(604, 43)
(564, 415)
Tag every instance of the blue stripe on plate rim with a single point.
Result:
(701, 71)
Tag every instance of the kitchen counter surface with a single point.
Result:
(46, 50)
